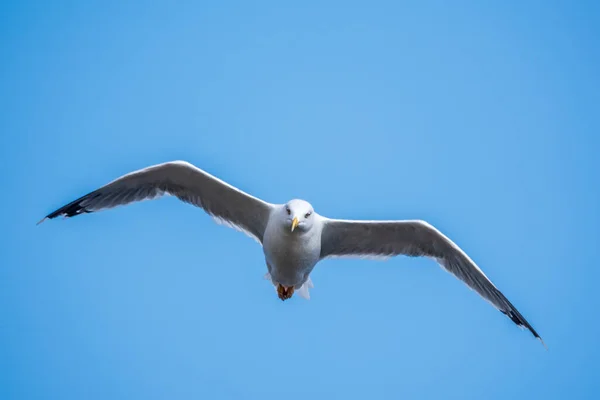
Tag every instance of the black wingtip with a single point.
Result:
(519, 320)
(70, 210)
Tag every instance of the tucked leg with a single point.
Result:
(285, 292)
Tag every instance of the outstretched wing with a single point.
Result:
(190, 184)
(413, 238)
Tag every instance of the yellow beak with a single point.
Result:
(294, 223)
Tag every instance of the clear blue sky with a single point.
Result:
(481, 119)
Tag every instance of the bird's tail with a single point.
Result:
(303, 291)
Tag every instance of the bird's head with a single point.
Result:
(299, 215)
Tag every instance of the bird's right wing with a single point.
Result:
(190, 184)
(345, 238)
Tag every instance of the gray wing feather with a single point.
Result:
(188, 183)
(413, 238)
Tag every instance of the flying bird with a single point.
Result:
(293, 236)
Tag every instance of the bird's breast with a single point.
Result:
(291, 256)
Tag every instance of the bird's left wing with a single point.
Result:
(412, 238)
(190, 184)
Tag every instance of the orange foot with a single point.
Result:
(285, 293)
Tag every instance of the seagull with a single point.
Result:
(293, 236)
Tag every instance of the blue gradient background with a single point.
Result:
(482, 119)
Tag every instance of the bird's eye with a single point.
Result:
(307, 215)
(288, 211)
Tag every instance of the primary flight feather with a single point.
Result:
(294, 238)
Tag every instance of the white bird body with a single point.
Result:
(291, 255)
(293, 236)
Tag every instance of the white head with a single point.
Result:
(298, 215)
